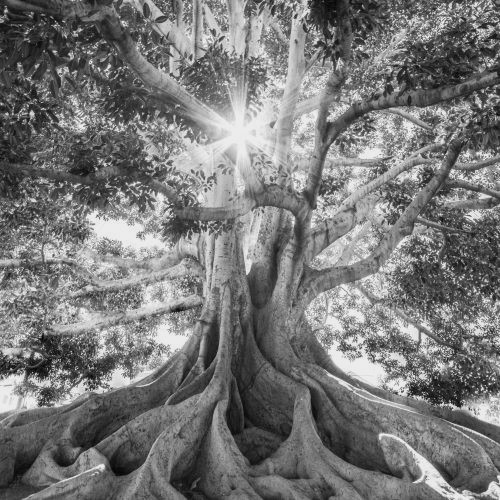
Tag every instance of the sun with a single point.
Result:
(239, 133)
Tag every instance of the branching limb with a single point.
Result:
(24, 170)
(318, 281)
(477, 165)
(303, 163)
(344, 37)
(393, 172)
(329, 231)
(271, 196)
(374, 300)
(185, 268)
(469, 186)
(312, 104)
(197, 29)
(408, 116)
(108, 23)
(182, 249)
(418, 98)
(295, 74)
(478, 204)
(102, 321)
(169, 30)
(440, 227)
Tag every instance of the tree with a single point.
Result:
(252, 406)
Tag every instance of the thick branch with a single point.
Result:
(102, 321)
(111, 29)
(477, 165)
(319, 281)
(469, 186)
(185, 268)
(295, 74)
(329, 231)
(312, 104)
(418, 98)
(182, 249)
(169, 30)
(393, 172)
(197, 29)
(271, 196)
(478, 204)
(16, 263)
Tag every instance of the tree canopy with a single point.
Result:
(323, 174)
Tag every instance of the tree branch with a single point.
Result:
(374, 300)
(182, 249)
(477, 165)
(270, 196)
(393, 172)
(108, 23)
(477, 204)
(329, 231)
(440, 227)
(459, 184)
(295, 74)
(19, 169)
(185, 268)
(418, 98)
(408, 116)
(180, 42)
(102, 321)
(318, 281)
(303, 163)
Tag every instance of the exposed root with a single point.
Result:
(86, 421)
(461, 459)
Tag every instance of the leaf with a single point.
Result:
(40, 71)
(161, 19)
(146, 10)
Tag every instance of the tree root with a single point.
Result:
(249, 430)
(461, 459)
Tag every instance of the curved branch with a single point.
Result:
(270, 196)
(106, 19)
(477, 165)
(393, 172)
(318, 281)
(408, 116)
(102, 321)
(185, 268)
(418, 98)
(469, 186)
(331, 230)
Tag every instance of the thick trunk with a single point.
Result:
(251, 407)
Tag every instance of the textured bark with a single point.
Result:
(251, 407)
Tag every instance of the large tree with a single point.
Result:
(252, 406)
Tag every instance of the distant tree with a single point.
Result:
(203, 131)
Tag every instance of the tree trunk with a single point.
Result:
(251, 407)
